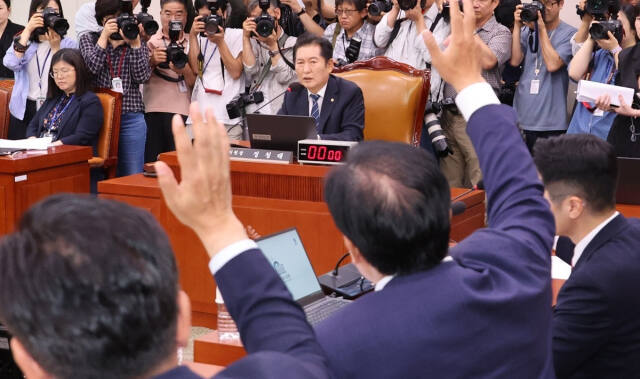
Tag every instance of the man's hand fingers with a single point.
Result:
(434, 49)
(469, 19)
(186, 158)
(168, 185)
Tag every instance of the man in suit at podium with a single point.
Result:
(596, 321)
(89, 287)
(336, 104)
(484, 311)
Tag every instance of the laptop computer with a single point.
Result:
(628, 190)
(279, 132)
(287, 255)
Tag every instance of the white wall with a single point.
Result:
(20, 11)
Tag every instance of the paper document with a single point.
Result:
(29, 144)
(590, 91)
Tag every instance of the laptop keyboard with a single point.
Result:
(323, 308)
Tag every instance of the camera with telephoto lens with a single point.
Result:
(212, 21)
(149, 25)
(446, 10)
(377, 7)
(353, 50)
(264, 23)
(432, 123)
(599, 30)
(599, 8)
(236, 106)
(127, 22)
(53, 20)
(175, 52)
(529, 11)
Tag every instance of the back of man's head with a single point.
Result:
(88, 287)
(393, 203)
(578, 164)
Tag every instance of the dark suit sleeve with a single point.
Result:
(32, 128)
(283, 110)
(581, 323)
(267, 316)
(89, 123)
(352, 124)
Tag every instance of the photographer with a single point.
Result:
(352, 26)
(29, 57)
(306, 17)
(171, 78)
(543, 47)
(119, 60)
(263, 64)
(216, 57)
(596, 61)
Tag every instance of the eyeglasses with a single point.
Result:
(60, 73)
(346, 12)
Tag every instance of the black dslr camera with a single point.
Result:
(175, 52)
(127, 22)
(598, 8)
(446, 10)
(434, 128)
(377, 7)
(149, 25)
(405, 5)
(353, 50)
(53, 20)
(264, 23)
(599, 30)
(235, 108)
(530, 11)
(212, 21)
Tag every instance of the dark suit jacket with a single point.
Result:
(596, 321)
(6, 40)
(483, 314)
(273, 327)
(342, 112)
(79, 125)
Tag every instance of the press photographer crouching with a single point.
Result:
(595, 60)
(216, 57)
(168, 91)
(267, 54)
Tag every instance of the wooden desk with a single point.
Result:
(269, 198)
(28, 177)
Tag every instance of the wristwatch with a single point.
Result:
(301, 12)
(17, 46)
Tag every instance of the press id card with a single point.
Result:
(535, 87)
(116, 85)
(39, 101)
(182, 86)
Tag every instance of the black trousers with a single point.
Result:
(18, 128)
(531, 136)
(159, 136)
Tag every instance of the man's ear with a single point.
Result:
(354, 252)
(183, 326)
(575, 206)
(29, 367)
(330, 64)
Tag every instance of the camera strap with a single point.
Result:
(395, 31)
(167, 77)
(336, 32)
(267, 67)
(41, 69)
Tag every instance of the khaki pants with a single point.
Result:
(461, 169)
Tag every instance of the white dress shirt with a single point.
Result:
(228, 253)
(584, 242)
(320, 99)
(474, 97)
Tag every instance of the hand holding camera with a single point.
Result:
(158, 56)
(35, 22)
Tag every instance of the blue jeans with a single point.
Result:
(133, 134)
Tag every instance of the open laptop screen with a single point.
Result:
(288, 257)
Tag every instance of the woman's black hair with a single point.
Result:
(631, 12)
(191, 13)
(35, 4)
(83, 75)
(8, 3)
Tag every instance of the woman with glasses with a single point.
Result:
(71, 114)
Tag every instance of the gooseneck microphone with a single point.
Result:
(292, 87)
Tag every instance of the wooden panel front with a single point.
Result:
(7, 203)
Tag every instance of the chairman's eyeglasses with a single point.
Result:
(346, 12)
(60, 73)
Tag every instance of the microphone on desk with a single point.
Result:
(458, 207)
(292, 87)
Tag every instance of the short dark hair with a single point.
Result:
(7, 3)
(83, 75)
(89, 287)
(35, 4)
(393, 202)
(359, 4)
(631, 12)
(188, 6)
(582, 163)
(326, 50)
(254, 3)
(106, 8)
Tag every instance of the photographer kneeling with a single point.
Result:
(263, 44)
(596, 61)
(172, 78)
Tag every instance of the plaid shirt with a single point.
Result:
(365, 33)
(135, 69)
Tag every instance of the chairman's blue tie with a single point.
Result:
(315, 110)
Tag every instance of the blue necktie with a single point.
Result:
(315, 110)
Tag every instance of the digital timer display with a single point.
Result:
(323, 152)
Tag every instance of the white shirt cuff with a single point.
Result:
(230, 252)
(474, 97)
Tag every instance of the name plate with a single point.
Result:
(260, 155)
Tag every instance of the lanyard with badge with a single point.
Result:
(41, 98)
(203, 67)
(535, 83)
(116, 80)
(51, 126)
